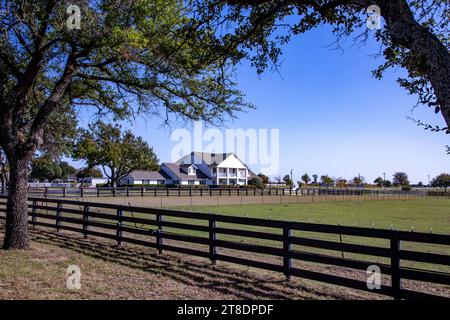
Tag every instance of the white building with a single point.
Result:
(93, 181)
(139, 177)
(197, 168)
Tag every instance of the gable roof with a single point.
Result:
(178, 170)
(147, 175)
(211, 159)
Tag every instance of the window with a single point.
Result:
(202, 181)
(191, 170)
(191, 182)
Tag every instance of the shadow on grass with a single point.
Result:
(240, 283)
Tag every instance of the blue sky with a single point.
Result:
(334, 117)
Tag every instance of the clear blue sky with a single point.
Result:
(334, 117)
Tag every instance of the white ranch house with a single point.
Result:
(197, 168)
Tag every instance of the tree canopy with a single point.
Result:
(306, 179)
(400, 179)
(127, 58)
(442, 180)
(86, 172)
(45, 169)
(414, 35)
(325, 179)
(117, 152)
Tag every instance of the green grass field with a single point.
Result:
(424, 215)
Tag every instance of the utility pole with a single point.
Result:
(384, 179)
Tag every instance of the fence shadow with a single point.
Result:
(240, 283)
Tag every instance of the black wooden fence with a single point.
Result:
(214, 191)
(151, 228)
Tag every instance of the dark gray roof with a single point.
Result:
(179, 171)
(210, 159)
(147, 175)
(252, 174)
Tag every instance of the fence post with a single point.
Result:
(167, 191)
(85, 220)
(64, 192)
(98, 191)
(119, 226)
(81, 192)
(114, 191)
(287, 247)
(159, 233)
(58, 216)
(396, 281)
(212, 239)
(128, 191)
(201, 192)
(33, 214)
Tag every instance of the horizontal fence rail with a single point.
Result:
(204, 234)
(217, 191)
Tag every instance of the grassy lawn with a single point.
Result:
(130, 272)
(422, 214)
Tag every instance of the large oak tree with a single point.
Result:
(127, 58)
(414, 35)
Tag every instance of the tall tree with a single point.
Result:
(442, 180)
(288, 180)
(306, 179)
(358, 180)
(341, 182)
(264, 178)
(117, 152)
(379, 181)
(414, 36)
(86, 172)
(126, 58)
(325, 179)
(400, 179)
(67, 170)
(45, 169)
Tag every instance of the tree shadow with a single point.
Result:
(237, 282)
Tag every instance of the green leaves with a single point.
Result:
(119, 152)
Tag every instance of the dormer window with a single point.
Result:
(192, 170)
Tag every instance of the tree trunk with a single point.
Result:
(406, 31)
(16, 233)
